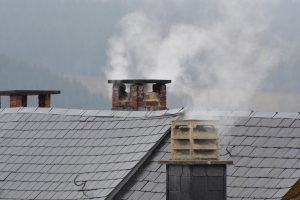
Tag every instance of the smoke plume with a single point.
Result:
(214, 53)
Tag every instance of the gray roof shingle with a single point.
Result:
(74, 154)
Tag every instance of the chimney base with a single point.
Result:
(194, 180)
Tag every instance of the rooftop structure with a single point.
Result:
(18, 98)
(139, 94)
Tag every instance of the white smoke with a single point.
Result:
(217, 63)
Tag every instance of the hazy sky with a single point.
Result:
(65, 35)
(72, 37)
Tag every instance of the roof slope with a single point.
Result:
(149, 183)
(74, 154)
(264, 148)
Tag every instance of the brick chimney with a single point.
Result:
(137, 97)
(195, 171)
(18, 98)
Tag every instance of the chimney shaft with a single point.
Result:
(119, 94)
(45, 100)
(192, 181)
(18, 98)
(161, 89)
(138, 98)
(134, 96)
(18, 101)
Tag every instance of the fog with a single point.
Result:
(72, 38)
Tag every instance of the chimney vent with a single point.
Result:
(138, 98)
(18, 98)
(195, 140)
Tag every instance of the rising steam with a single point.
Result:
(215, 62)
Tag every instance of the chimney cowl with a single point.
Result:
(195, 140)
(134, 94)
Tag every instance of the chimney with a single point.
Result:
(18, 98)
(195, 171)
(138, 98)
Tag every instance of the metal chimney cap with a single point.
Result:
(142, 81)
(28, 92)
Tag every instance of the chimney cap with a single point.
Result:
(28, 92)
(142, 81)
(197, 162)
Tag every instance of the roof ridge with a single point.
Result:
(93, 113)
(139, 114)
(251, 113)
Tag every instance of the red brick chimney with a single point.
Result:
(138, 98)
(18, 98)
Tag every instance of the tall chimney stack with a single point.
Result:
(195, 171)
(18, 98)
(138, 97)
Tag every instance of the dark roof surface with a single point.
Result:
(74, 154)
(264, 148)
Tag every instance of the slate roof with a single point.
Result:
(78, 154)
(74, 154)
(150, 180)
(265, 148)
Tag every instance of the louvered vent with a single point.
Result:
(195, 140)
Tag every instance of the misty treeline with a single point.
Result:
(15, 75)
